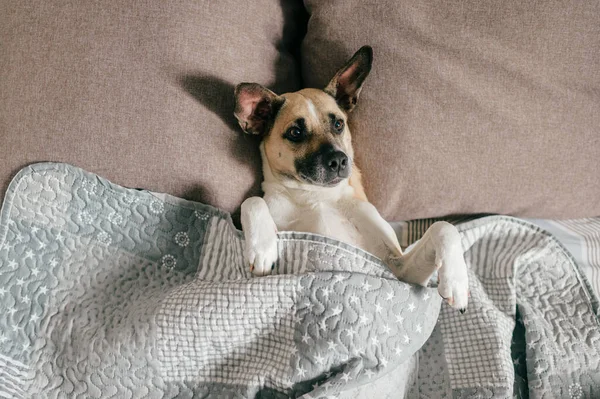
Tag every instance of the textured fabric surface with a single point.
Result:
(142, 93)
(106, 290)
(471, 107)
(113, 291)
(532, 328)
(582, 238)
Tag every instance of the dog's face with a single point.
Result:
(309, 140)
(305, 135)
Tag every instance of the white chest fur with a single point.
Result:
(325, 219)
(325, 212)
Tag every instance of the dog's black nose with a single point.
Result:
(337, 161)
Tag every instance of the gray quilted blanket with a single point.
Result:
(112, 292)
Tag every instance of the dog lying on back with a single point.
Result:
(311, 183)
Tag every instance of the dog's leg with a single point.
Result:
(439, 249)
(369, 223)
(260, 233)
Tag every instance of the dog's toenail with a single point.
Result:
(273, 266)
(462, 310)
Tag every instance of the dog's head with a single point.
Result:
(305, 135)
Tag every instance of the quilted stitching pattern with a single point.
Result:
(111, 291)
(515, 265)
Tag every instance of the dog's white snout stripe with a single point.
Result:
(311, 109)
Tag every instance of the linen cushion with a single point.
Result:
(472, 106)
(141, 93)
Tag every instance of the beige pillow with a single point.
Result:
(471, 106)
(142, 92)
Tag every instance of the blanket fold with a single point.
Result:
(124, 291)
(106, 291)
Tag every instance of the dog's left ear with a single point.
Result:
(347, 82)
(255, 107)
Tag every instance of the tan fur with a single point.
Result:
(281, 154)
(356, 183)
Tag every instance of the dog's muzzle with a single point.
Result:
(326, 166)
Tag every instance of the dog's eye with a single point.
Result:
(338, 125)
(294, 134)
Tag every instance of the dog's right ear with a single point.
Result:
(255, 107)
(347, 83)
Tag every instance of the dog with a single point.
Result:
(311, 184)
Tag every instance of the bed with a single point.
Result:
(479, 108)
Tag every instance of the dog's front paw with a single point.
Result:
(261, 249)
(453, 279)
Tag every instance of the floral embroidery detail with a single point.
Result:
(575, 391)
(201, 215)
(86, 217)
(168, 261)
(115, 218)
(104, 238)
(182, 239)
(157, 207)
(89, 187)
(129, 199)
